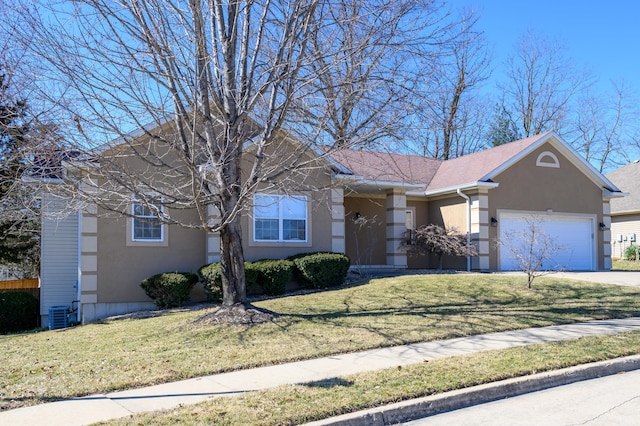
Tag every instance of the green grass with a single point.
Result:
(295, 404)
(625, 265)
(115, 355)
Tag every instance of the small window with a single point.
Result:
(409, 224)
(280, 218)
(145, 224)
(548, 159)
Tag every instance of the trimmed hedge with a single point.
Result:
(169, 289)
(274, 275)
(323, 269)
(211, 276)
(18, 311)
(317, 270)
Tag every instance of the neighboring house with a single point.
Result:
(100, 259)
(625, 212)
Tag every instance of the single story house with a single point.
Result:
(360, 203)
(625, 212)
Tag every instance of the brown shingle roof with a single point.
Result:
(434, 174)
(626, 178)
(472, 168)
(385, 166)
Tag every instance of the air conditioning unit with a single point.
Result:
(58, 317)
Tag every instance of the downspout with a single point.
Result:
(468, 201)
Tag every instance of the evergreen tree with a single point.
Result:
(19, 236)
(503, 129)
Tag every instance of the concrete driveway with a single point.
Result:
(628, 278)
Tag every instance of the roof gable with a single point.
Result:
(484, 166)
(471, 170)
(478, 167)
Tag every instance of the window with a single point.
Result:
(279, 218)
(408, 223)
(548, 159)
(145, 224)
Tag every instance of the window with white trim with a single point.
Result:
(279, 218)
(145, 224)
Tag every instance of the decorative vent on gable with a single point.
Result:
(548, 159)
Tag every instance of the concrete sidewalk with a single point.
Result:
(90, 409)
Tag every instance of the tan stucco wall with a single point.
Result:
(121, 268)
(527, 187)
(623, 225)
(315, 185)
(450, 212)
(366, 246)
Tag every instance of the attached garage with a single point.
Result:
(573, 235)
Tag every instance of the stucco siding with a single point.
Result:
(122, 267)
(59, 255)
(531, 188)
(315, 185)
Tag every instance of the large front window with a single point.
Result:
(146, 225)
(280, 218)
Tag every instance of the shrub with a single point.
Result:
(323, 269)
(211, 275)
(274, 275)
(18, 311)
(630, 252)
(168, 290)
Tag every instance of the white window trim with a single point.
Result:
(163, 241)
(281, 220)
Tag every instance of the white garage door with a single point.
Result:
(572, 236)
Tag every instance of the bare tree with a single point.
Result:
(447, 100)
(436, 239)
(532, 249)
(540, 83)
(199, 84)
(604, 127)
(362, 97)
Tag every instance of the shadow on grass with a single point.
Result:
(333, 382)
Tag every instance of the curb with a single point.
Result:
(462, 398)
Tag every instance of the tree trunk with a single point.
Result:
(232, 264)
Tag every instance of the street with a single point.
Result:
(612, 400)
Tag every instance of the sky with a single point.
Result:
(602, 35)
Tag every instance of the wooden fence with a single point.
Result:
(27, 285)
(20, 284)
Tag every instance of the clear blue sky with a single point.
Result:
(602, 35)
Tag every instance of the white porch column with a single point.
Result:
(396, 227)
(213, 238)
(337, 221)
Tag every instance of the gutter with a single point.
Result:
(456, 188)
(468, 202)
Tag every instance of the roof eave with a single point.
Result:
(607, 193)
(354, 182)
(463, 187)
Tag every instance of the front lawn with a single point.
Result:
(120, 354)
(625, 265)
(297, 404)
